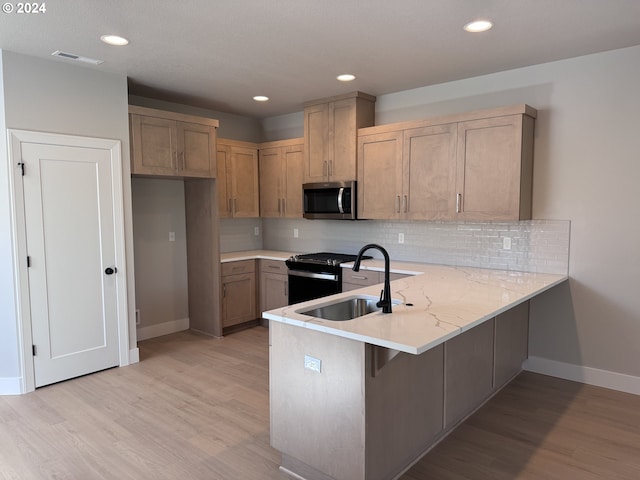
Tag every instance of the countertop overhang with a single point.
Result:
(445, 301)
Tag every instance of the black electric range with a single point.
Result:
(315, 275)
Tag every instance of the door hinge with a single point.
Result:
(33, 350)
(21, 165)
(28, 261)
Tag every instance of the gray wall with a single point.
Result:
(161, 265)
(235, 127)
(54, 96)
(586, 171)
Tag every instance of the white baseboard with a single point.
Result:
(11, 386)
(588, 375)
(134, 356)
(173, 326)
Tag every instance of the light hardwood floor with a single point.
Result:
(198, 408)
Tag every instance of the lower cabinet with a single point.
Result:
(354, 280)
(238, 293)
(274, 285)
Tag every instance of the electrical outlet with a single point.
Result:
(172, 236)
(137, 316)
(312, 363)
(401, 238)
(295, 233)
(256, 231)
(506, 243)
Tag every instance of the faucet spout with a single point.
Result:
(385, 296)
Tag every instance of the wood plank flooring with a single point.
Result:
(198, 408)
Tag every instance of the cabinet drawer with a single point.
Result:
(235, 268)
(273, 266)
(363, 277)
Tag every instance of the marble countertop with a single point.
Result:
(255, 254)
(446, 301)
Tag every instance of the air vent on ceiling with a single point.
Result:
(77, 58)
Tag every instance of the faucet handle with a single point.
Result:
(380, 303)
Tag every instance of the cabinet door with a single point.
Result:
(270, 182)
(379, 175)
(429, 161)
(196, 150)
(273, 291)
(154, 145)
(245, 200)
(316, 148)
(489, 168)
(292, 175)
(238, 299)
(343, 138)
(223, 159)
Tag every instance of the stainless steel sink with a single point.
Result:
(345, 309)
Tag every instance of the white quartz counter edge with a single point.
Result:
(255, 255)
(446, 301)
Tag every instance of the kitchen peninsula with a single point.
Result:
(365, 398)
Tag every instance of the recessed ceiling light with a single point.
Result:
(261, 98)
(114, 40)
(347, 77)
(478, 26)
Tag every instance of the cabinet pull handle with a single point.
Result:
(359, 277)
(330, 167)
(405, 203)
(397, 203)
(224, 291)
(273, 266)
(181, 164)
(458, 202)
(325, 168)
(230, 208)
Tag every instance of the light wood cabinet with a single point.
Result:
(495, 168)
(354, 280)
(407, 174)
(238, 190)
(172, 145)
(330, 135)
(281, 174)
(238, 283)
(274, 285)
(473, 166)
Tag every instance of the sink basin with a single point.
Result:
(345, 309)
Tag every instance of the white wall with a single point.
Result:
(54, 96)
(586, 169)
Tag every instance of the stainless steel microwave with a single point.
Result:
(330, 200)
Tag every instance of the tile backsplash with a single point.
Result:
(535, 245)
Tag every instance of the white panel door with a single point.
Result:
(69, 220)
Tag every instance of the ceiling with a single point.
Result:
(218, 54)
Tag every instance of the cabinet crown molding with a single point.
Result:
(179, 117)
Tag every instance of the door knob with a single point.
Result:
(110, 271)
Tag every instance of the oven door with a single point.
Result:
(305, 286)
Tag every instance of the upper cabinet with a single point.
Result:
(495, 168)
(330, 135)
(474, 166)
(281, 174)
(238, 194)
(407, 174)
(171, 144)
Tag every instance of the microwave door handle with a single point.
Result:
(340, 194)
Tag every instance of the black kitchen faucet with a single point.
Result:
(385, 295)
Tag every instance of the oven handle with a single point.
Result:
(321, 276)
